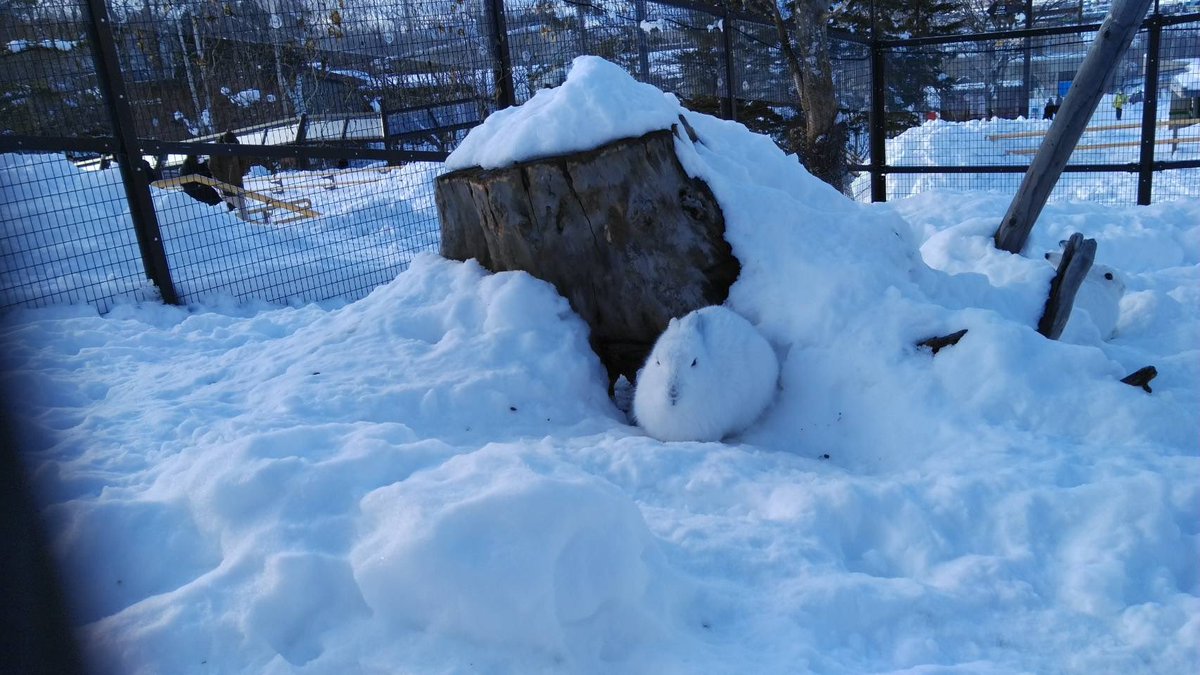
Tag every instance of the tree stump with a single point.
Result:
(621, 231)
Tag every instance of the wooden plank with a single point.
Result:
(1110, 44)
(302, 207)
(1077, 259)
(316, 179)
(1016, 135)
(1106, 127)
(1104, 146)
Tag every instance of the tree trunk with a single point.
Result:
(187, 68)
(621, 231)
(204, 120)
(824, 138)
(822, 144)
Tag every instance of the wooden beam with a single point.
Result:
(1104, 146)
(1076, 260)
(1081, 100)
(301, 207)
(1104, 127)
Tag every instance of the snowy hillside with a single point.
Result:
(432, 479)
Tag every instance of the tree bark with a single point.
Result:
(1141, 378)
(823, 141)
(1076, 260)
(1087, 88)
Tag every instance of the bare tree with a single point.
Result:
(804, 42)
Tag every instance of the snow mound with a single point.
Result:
(487, 549)
(598, 103)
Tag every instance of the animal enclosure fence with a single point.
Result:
(340, 112)
(1146, 149)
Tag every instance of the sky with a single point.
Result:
(433, 478)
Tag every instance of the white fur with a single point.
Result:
(710, 374)
(1099, 297)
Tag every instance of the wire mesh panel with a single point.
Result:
(1177, 130)
(195, 69)
(687, 55)
(290, 146)
(300, 235)
(987, 104)
(545, 35)
(66, 236)
(48, 83)
(763, 98)
(678, 50)
(851, 64)
(250, 220)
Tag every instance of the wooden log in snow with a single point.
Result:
(1077, 259)
(936, 344)
(621, 231)
(1141, 378)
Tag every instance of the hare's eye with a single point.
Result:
(1108, 275)
(657, 363)
(693, 363)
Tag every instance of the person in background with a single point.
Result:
(1119, 102)
(1047, 114)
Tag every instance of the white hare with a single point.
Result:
(1099, 297)
(710, 374)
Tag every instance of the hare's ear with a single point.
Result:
(673, 322)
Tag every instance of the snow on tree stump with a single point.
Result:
(621, 231)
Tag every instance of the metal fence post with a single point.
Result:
(1149, 111)
(134, 176)
(877, 122)
(730, 103)
(639, 10)
(1027, 63)
(302, 162)
(506, 94)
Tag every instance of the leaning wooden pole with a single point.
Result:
(1081, 100)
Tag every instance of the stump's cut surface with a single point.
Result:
(621, 231)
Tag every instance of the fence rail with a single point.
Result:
(344, 110)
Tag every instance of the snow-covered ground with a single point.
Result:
(1004, 142)
(433, 478)
(68, 235)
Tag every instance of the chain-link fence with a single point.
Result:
(284, 150)
(1002, 91)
